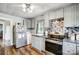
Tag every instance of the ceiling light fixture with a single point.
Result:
(27, 7)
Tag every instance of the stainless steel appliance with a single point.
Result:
(19, 35)
(53, 48)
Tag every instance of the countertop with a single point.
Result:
(58, 42)
(38, 35)
(71, 41)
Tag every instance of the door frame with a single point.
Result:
(3, 23)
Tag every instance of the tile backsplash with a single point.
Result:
(57, 25)
(72, 29)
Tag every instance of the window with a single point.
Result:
(40, 27)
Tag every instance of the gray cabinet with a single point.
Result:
(77, 15)
(38, 43)
(77, 49)
(69, 48)
(59, 13)
(70, 16)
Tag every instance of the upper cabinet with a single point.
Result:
(33, 23)
(52, 14)
(46, 18)
(71, 16)
(59, 13)
(29, 23)
(56, 14)
(77, 15)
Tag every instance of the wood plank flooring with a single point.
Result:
(26, 50)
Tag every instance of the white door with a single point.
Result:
(7, 36)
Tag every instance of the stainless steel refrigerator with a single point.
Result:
(20, 38)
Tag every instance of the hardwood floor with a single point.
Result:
(26, 50)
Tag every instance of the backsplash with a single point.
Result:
(72, 33)
(72, 29)
(57, 25)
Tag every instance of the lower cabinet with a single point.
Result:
(69, 48)
(78, 49)
(38, 43)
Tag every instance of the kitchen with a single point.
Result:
(53, 32)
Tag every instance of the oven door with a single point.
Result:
(53, 48)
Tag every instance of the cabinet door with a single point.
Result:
(38, 43)
(43, 44)
(33, 42)
(69, 16)
(69, 48)
(59, 13)
(32, 23)
(77, 49)
(28, 24)
(77, 15)
(47, 18)
(52, 15)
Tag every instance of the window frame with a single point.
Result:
(37, 32)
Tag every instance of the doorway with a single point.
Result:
(1, 39)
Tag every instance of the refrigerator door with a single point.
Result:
(21, 40)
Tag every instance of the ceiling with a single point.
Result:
(16, 9)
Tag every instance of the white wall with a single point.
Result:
(12, 20)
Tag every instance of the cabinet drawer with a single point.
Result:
(68, 44)
(64, 53)
(69, 50)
